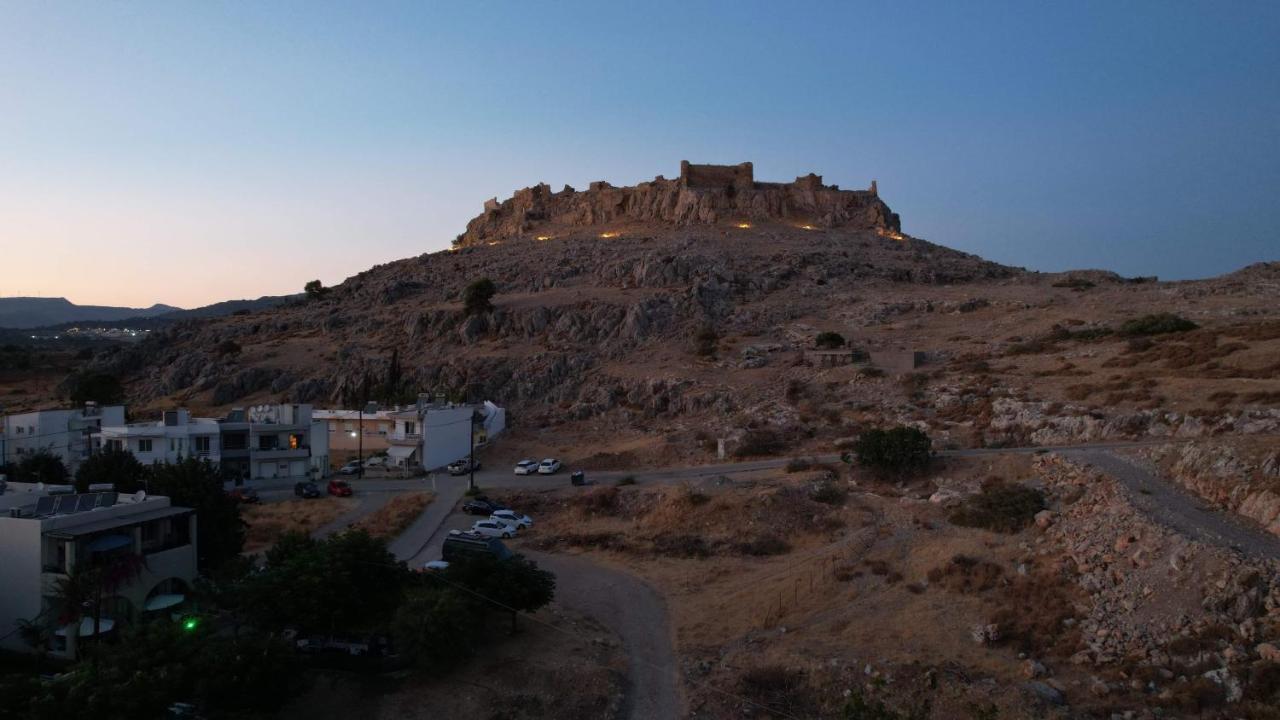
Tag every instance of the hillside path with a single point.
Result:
(1167, 503)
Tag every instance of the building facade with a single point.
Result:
(175, 436)
(433, 434)
(272, 442)
(351, 432)
(67, 434)
(45, 537)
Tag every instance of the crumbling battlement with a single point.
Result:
(702, 195)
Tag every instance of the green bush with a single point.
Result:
(1001, 507)
(1157, 324)
(829, 340)
(897, 450)
(477, 298)
(828, 493)
(96, 387)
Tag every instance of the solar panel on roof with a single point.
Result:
(86, 502)
(66, 504)
(44, 505)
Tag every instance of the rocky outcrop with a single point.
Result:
(703, 195)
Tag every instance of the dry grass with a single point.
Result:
(268, 522)
(396, 516)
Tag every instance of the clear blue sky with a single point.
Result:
(191, 152)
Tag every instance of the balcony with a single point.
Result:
(281, 453)
(405, 439)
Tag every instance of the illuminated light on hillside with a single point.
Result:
(495, 242)
(544, 237)
(892, 235)
(609, 234)
(744, 226)
(806, 227)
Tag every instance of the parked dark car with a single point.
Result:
(339, 488)
(306, 490)
(244, 495)
(482, 506)
(463, 466)
(460, 545)
(577, 477)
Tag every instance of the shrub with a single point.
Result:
(900, 449)
(1075, 283)
(1157, 324)
(228, 347)
(829, 340)
(477, 298)
(763, 545)
(474, 491)
(628, 480)
(828, 493)
(704, 341)
(1001, 507)
(761, 441)
(315, 290)
(799, 464)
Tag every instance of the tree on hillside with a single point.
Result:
(118, 467)
(41, 466)
(347, 582)
(196, 484)
(897, 450)
(315, 290)
(95, 387)
(514, 585)
(477, 299)
(435, 625)
(829, 340)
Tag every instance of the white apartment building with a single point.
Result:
(44, 537)
(66, 434)
(273, 442)
(175, 436)
(434, 434)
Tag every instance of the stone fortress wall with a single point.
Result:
(703, 194)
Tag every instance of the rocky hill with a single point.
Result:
(677, 311)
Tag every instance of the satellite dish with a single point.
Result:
(140, 496)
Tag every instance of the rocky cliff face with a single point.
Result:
(705, 197)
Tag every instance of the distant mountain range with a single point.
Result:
(35, 312)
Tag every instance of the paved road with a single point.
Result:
(633, 609)
(1169, 504)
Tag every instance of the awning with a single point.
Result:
(161, 602)
(105, 543)
(401, 452)
(86, 627)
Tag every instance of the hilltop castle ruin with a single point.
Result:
(702, 195)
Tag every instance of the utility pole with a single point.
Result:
(471, 455)
(360, 441)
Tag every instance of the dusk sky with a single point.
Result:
(189, 152)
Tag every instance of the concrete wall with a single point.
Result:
(446, 436)
(20, 565)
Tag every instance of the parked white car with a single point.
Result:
(435, 566)
(550, 466)
(526, 467)
(494, 528)
(511, 517)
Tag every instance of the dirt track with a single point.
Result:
(638, 614)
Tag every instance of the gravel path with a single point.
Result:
(638, 614)
(1176, 508)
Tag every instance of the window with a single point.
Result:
(201, 443)
(348, 426)
(144, 445)
(268, 442)
(383, 428)
(173, 444)
(115, 445)
(21, 430)
(295, 441)
(409, 427)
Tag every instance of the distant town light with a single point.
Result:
(608, 234)
(496, 242)
(544, 237)
(806, 227)
(744, 226)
